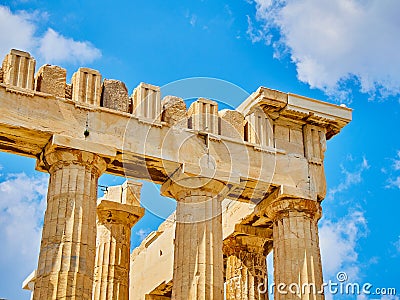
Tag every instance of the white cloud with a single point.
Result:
(191, 17)
(142, 233)
(396, 162)
(22, 205)
(193, 20)
(332, 41)
(19, 30)
(56, 48)
(255, 34)
(397, 245)
(338, 241)
(350, 178)
(16, 31)
(394, 181)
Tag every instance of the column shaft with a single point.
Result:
(246, 274)
(67, 250)
(111, 274)
(297, 259)
(198, 259)
(112, 262)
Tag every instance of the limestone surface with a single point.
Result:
(203, 115)
(68, 91)
(19, 69)
(117, 212)
(68, 246)
(51, 80)
(146, 103)
(174, 111)
(115, 95)
(231, 123)
(86, 86)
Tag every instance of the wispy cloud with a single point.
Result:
(256, 34)
(191, 17)
(397, 245)
(22, 205)
(329, 41)
(338, 240)
(394, 183)
(350, 178)
(394, 179)
(20, 30)
(142, 233)
(396, 162)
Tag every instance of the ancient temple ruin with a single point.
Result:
(246, 181)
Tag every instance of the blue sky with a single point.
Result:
(341, 51)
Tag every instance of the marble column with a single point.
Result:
(68, 246)
(198, 259)
(297, 259)
(116, 214)
(246, 268)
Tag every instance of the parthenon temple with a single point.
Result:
(247, 182)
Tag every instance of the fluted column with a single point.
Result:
(246, 268)
(67, 250)
(114, 223)
(198, 259)
(297, 259)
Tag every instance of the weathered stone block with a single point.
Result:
(68, 91)
(127, 193)
(86, 86)
(259, 128)
(174, 111)
(282, 132)
(115, 95)
(289, 139)
(231, 123)
(1, 75)
(203, 115)
(51, 80)
(146, 102)
(314, 142)
(19, 69)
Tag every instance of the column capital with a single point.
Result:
(179, 189)
(285, 207)
(191, 180)
(62, 150)
(250, 244)
(110, 212)
(59, 157)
